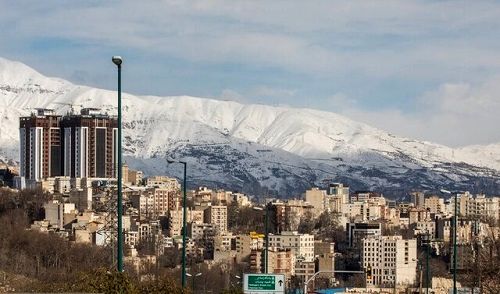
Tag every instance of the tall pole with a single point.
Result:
(118, 61)
(266, 257)
(184, 227)
(455, 247)
(427, 266)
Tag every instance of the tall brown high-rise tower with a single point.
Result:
(78, 146)
(40, 140)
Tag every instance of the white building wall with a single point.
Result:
(301, 244)
(22, 152)
(391, 259)
(36, 154)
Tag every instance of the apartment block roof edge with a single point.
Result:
(85, 111)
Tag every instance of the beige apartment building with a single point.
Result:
(217, 215)
(301, 244)
(175, 220)
(435, 205)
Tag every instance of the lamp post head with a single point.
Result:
(117, 60)
(444, 191)
(198, 274)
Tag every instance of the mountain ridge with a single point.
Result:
(317, 144)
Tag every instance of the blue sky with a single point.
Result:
(422, 69)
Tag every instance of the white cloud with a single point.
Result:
(378, 39)
(453, 114)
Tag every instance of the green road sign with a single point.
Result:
(264, 283)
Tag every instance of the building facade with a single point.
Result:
(40, 145)
(76, 146)
(301, 244)
(389, 261)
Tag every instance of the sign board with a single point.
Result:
(263, 284)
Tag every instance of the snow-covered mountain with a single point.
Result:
(255, 148)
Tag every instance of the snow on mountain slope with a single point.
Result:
(268, 146)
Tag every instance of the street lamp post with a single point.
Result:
(266, 236)
(454, 239)
(117, 60)
(184, 220)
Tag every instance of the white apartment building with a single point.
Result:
(241, 199)
(363, 211)
(480, 205)
(301, 244)
(389, 261)
(163, 182)
(483, 206)
(217, 215)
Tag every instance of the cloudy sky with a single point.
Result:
(423, 69)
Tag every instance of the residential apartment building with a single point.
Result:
(175, 220)
(418, 199)
(316, 198)
(356, 232)
(89, 144)
(165, 199)
(163, 182)
(40, 145)
(418, 215)
(301, 244)
(435, 205)
(482, 206)
(281, 261)
(135, 177)
(217, 215)
(199, 231)
(304, 270)
(287, 214)
(424, 228)
(245, 244)
(467, 229)
(363, 211)
(389, 261)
